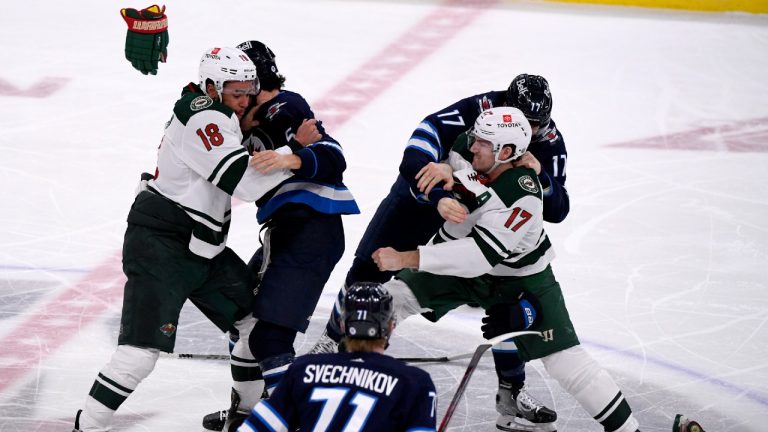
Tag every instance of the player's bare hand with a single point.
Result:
(389, 259)
(529, 161)
(307, 133)
(432, 174)
(451, 210)
(268, 161)
(248, 121)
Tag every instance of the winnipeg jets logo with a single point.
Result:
(274, 109)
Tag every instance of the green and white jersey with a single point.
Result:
(201, 164)
(503, 234)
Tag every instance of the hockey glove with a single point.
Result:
(147, 39)
(511, 317)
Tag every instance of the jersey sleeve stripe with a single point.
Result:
(239, 152)
(443, 235)
(531, 257)
(420, 136)
(492, 240)
(232, 176)
(492, 249)
(331, 144)
(430, 130)
(271, 418)
(422, 146)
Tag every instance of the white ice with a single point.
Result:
(663, 258)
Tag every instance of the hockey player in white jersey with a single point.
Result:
(175, 244)
(493, 251)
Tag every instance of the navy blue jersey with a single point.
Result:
(548, 147)
(351, 392)
(433, 138)
(319, 182)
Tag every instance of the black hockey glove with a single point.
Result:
(147, 39)
(511, 317)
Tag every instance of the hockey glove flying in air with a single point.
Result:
(511, 317)
(147, 39)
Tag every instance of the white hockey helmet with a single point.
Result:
(503, 126)
(226, 64)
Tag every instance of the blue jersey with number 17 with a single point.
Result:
(349, 392)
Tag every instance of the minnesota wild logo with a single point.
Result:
(200, 102)
(168, 329)
(527, 183)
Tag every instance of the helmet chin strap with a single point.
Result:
(498, 161)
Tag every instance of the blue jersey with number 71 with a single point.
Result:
(348, 392)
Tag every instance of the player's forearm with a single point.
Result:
(409, 259)
(322, 162)
(459, 257)
(557, 204)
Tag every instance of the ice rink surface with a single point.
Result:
(663, 259)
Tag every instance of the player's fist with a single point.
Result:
(146, 42)
(307, 133)
(388, 259)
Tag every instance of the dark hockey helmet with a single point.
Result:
(264, 59)
(367, 311)
(530, 94)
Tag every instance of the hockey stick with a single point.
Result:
(481, 349)
(195, 356)
(445, 359)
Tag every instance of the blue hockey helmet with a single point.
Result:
(530, 94)
(264, 59)
(367, 311)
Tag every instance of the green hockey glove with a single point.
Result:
(147, 39)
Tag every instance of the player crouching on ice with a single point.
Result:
(362, 389)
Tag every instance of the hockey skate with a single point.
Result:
(684, 424)
(215, 420)
(325, 345)
(235, 417)
(226, 420)
(521, 412)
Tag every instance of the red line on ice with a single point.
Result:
(52, 324)
(41, 89)
(746, 136)
(355, 91)
(46, 330)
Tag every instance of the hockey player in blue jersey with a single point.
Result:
(362, 389)
(304, 236)
(407, 217)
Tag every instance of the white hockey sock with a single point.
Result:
(128, 366)
(581, 376)
(246, 373)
